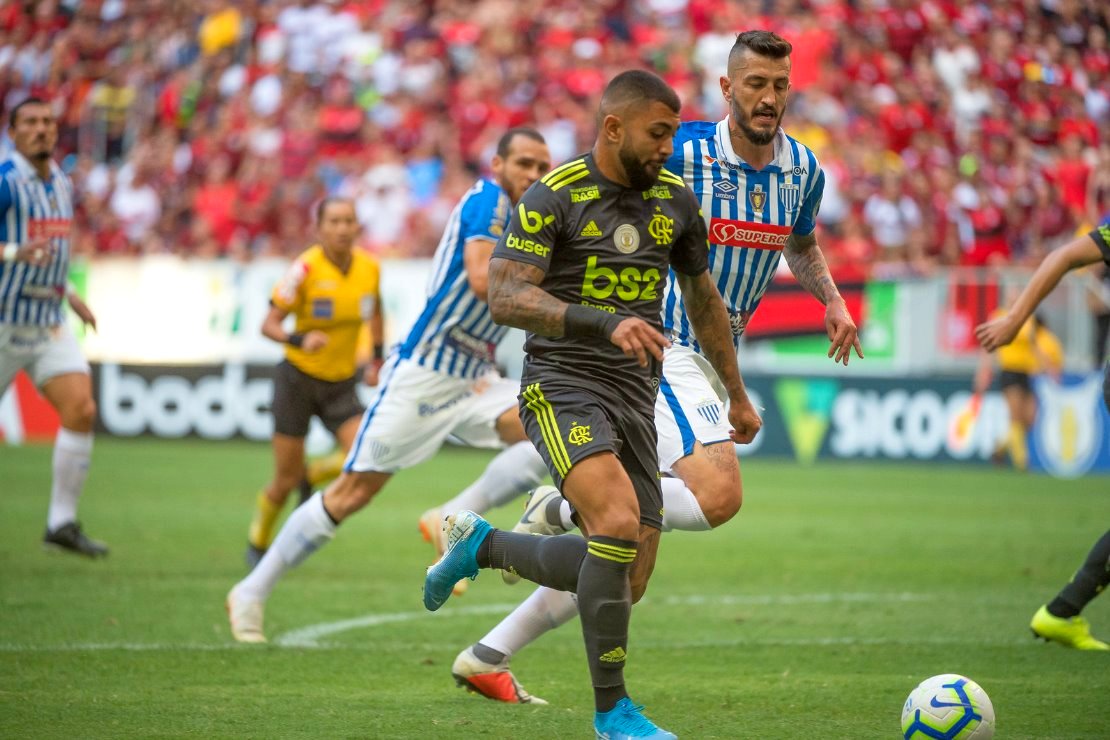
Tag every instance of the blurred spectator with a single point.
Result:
(891, 215)
(136, 204)
(244, 111)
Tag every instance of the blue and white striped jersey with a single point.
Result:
(455, 333)
(33, 209)
(749, 215)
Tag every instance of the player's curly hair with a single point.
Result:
(636, 86)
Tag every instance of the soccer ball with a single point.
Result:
(948, 707)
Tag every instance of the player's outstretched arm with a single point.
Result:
(1075, 254)
(807, 263)
(709, 319)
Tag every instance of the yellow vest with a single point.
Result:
(324, 298)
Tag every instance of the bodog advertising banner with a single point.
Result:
(805, 418)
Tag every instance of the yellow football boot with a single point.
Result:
(1073, 632)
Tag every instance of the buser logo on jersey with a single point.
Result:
(532, 221)
(630, 285)
(512, 241)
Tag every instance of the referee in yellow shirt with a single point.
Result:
(332, 289)
(1034, 350)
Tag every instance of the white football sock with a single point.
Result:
(564, 516)
(544, 610)
(306, 530)
(680, 507)
(72, 451)
(514, 471)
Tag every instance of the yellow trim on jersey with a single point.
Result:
(555, 172)
(668, 176)
(549, 428)
(569, 179)
(612, 552)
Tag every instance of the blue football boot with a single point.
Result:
(626, 721)
(465, 532)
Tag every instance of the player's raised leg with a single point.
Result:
(513, 471)
(1060, 620)
(597, 569)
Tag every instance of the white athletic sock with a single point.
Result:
(565, 516)
(306, 530)
(680, 507)
(72, 451)
(544, 610)
(514, 471)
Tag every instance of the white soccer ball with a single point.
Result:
(948, 707)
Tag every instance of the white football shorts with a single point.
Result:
(691, 406)
(416, 409)
(45, 352)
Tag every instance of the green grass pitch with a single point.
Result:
(812, 615)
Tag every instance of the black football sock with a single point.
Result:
(605, 605)
(1088, 581)
(549, 561)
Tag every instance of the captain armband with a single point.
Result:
(584, 321)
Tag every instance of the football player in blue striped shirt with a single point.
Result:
(439, 382)
(36, 214)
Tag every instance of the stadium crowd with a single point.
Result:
(951, 131)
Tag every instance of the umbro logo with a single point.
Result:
(591, 229)
(725, 190)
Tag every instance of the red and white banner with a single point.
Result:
(25, 416)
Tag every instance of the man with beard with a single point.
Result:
(759, 192)
(580, 268)
(36, 214)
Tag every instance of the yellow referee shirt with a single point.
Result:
(324, 298)
(1018, 356)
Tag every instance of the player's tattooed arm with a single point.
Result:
(807, 262)
(515, 298)
(812, 272)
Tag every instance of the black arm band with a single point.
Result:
(295, 340)
(379, 352)
(584, 321)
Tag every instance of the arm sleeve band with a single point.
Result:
(583, 321)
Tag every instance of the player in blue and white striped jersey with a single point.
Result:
(760, 191)
(439, 382)
(36, 212)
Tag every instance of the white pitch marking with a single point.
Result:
(307, 637)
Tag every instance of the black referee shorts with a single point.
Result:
(1008, 378)
(568, 421)
(298, 397)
